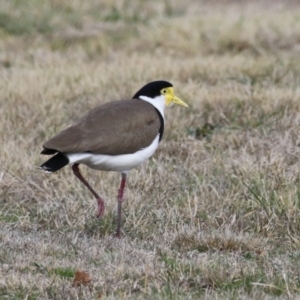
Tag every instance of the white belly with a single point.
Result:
(120, 163)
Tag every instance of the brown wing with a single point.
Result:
(118, 127)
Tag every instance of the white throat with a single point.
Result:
(158, 102)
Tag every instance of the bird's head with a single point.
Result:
(159, 93)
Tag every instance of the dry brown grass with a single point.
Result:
(215, 214)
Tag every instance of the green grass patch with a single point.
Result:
(64, 272)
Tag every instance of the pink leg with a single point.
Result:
(100, 201)
(120, 201)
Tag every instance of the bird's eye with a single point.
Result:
(164, 91)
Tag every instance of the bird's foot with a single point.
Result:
(117, 234)
(101, 207)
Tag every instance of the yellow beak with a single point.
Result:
(171, 98)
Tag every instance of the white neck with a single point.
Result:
(158, 102)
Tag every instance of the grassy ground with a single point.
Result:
(215, 214)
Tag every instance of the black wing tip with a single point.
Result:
(46, 151)
(44, 168)
(55, 163)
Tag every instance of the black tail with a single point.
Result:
(55, 163)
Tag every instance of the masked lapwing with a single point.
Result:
(116, 136)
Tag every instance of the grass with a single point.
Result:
(214, 214)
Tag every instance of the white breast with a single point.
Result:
(120, 163)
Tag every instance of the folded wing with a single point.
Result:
(118, 127)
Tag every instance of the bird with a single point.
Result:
(115, 136)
